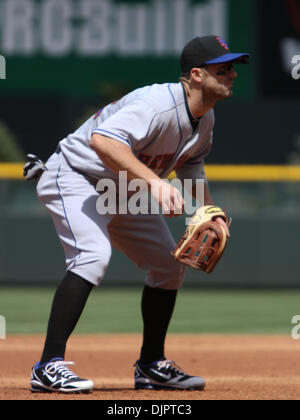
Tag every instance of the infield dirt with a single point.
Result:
(235, 367)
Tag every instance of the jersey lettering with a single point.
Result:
(155, 161)
(181, 160)
(145, 159)
(165, 160)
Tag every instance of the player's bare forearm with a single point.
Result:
(119, 157)
(208, 201)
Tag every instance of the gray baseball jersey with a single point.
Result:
(154, 121)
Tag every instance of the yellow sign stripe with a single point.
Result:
(224, 173)
(11, 170)
(253, 173)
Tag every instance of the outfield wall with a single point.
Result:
(263, 250)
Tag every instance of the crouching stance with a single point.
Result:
(149, 133)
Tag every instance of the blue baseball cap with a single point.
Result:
(210, 49)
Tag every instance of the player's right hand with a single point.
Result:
(169, 198)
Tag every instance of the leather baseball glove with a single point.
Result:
(204, 241)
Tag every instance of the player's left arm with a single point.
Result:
(208, 201)
(197, 173)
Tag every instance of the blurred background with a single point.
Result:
(64, 59)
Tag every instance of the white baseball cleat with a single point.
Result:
(54, 376)
(164, 374)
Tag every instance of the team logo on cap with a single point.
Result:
(222, 42)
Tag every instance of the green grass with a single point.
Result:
(115, 310)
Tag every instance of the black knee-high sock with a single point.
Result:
(157, 309)
(68, 304)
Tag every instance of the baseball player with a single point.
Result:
(149, 133)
